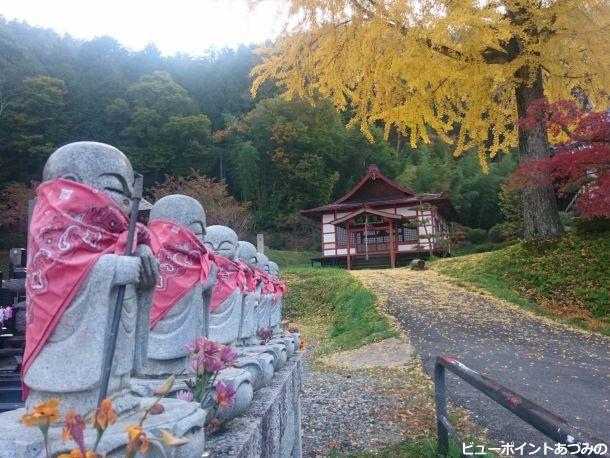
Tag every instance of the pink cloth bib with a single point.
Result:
(230, 277)
(72, 226)
(183, 261)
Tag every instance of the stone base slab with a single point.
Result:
(271, 427)
(179, 417)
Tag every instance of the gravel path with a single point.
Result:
(344, 412)
(564, 370)
(356, 410)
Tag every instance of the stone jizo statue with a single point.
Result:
(275, 315)
(178, 225)
(228, 290)
(246, 254)
(181, 303)
(76, 264)
(267, 290)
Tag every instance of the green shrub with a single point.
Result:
(475, 235)
(499, 233)
(591, 226)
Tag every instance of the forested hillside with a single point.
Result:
(174, 114)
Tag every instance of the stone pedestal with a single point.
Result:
(271, 427)
(276, 350)
(240, 379)
(179, 417)
(287, 341)
(297, 340)
(259, 365)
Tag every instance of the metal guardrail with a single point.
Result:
(544, 421)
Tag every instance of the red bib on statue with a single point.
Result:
(265, 280)
(229, 278)
(250, 282)
(72, 226)
(183, 261)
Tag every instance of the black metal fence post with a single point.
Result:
(440, 396)
(544, 421)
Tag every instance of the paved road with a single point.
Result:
(564, 370)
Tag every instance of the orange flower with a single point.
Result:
(45, 414)
(76, 453)
(302, 346)
(137, 436)
(104, 415)
(73, 428)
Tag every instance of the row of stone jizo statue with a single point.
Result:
(185, 280)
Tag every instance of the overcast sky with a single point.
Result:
(189, 26)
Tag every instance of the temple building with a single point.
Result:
(381, 224)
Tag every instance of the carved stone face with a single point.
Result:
(96, 165)
(263, 262)
(222, 241)
(246, 252)
(183, 210)
(274, 269)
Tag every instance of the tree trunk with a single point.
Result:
(540, 215)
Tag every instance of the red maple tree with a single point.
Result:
(580, 165)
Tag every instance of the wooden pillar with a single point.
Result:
(349, 249)
(392, 245)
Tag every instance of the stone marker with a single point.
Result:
(418, 264)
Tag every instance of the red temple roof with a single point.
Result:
(376, 191)
(372, 211)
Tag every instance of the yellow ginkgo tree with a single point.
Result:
(464, 69)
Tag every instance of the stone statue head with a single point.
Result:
(246, 252)
(96, 165)
(183, 210)
(274, 269)
(263, 262)
(222, 240)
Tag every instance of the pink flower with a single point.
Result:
(227, 355)
(225, 395)
(207, 365)
(185, 395)
(265, 333)
(205, 355)
(203, 345)
(212, 365)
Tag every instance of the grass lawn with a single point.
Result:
(425, 448)
(567, 278)
(286, 259)
(341, 312)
